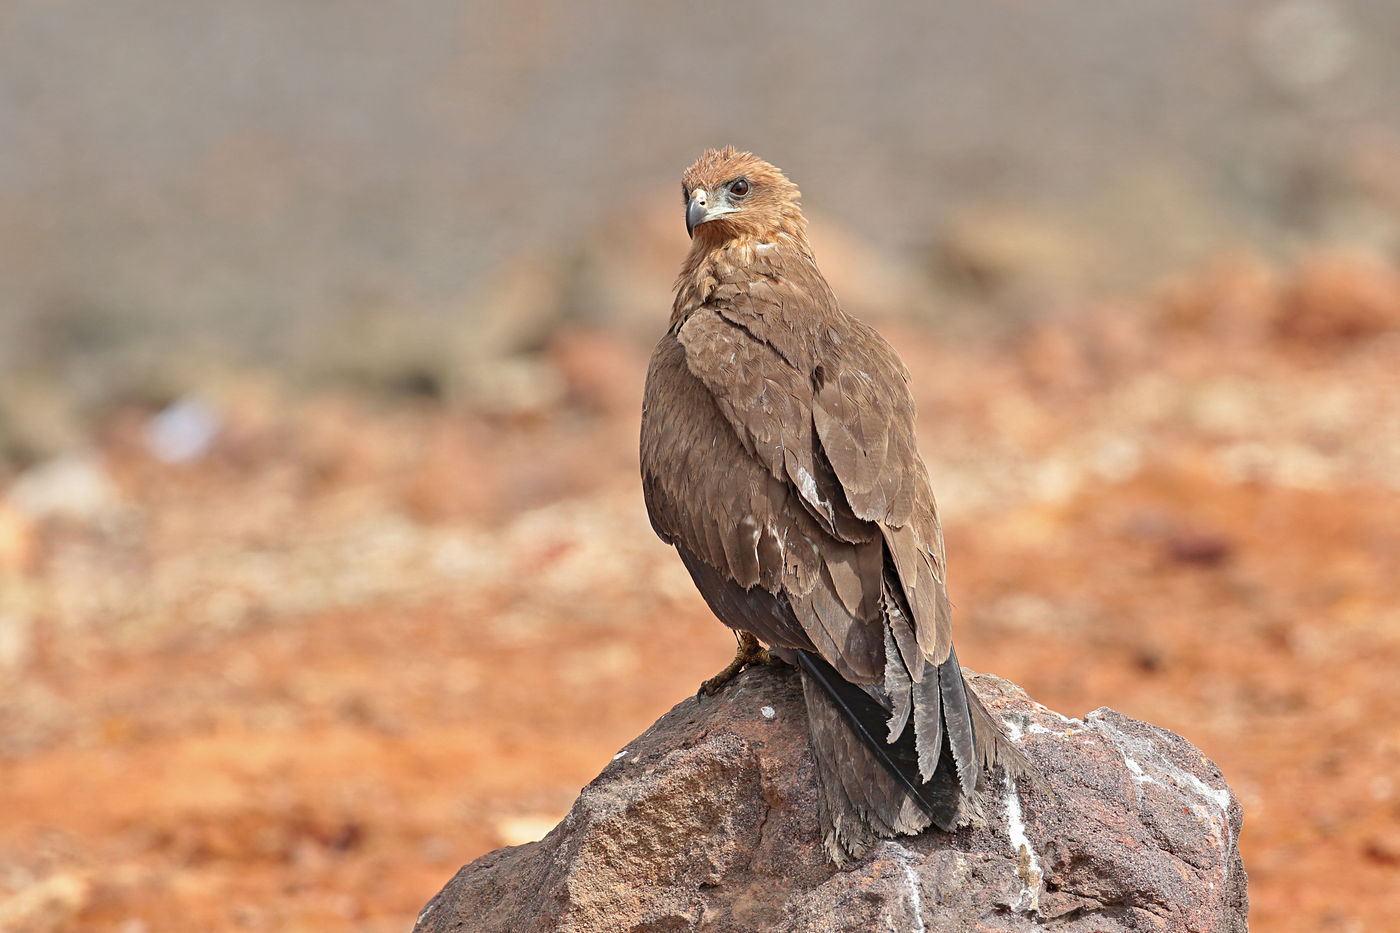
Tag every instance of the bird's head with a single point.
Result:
(731, 194)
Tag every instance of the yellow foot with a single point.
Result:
(750, 652)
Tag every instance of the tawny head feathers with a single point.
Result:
(731, 195)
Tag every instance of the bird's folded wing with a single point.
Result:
(823, 402)
(863, 413)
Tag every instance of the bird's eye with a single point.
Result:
(739, 188)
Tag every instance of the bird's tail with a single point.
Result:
(872, 787)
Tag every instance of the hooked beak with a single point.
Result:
(696, 212)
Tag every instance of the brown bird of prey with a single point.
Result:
(778, 457)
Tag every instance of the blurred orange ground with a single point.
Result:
(295, 685)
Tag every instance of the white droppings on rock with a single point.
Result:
(1135, 772)
(1212, 803)
(1036, 728)
(1220, 795)
(911, 883)
(1017, 732)
(1027, 865)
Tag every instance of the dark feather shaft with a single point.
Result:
(867, 719)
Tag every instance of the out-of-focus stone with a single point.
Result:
(1235, 294)
(1002, 252)
(39, 419)
(1302, 44)
(183, 431)
(518, 830)
(867, 281)
(1340, 297)
(16, 637)
(512, 387)
(600, 371)
(48, 904)
(708, 821)
(17, 542)
(514, 312)
(621, 279)
(74, 486)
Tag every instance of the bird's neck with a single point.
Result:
(715, 258)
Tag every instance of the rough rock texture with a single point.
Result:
(708, 821)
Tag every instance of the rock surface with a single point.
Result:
(707, 821)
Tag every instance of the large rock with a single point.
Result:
(708, 821)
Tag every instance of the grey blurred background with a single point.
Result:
(397, 195)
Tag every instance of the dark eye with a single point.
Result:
(739, 188)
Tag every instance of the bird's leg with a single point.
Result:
(750, 652)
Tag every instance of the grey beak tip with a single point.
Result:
(694, 217)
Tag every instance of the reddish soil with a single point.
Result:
(294, 685)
